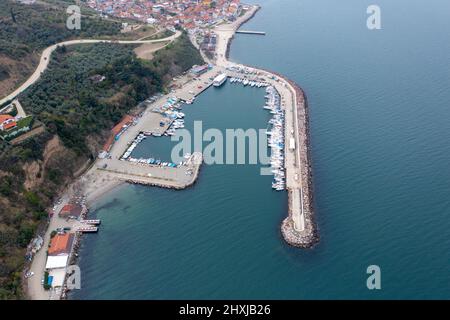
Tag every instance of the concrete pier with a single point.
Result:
(261, 33)
(180, 177)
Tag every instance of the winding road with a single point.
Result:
(45, 58)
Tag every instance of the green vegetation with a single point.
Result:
(78, 111)
(26, 28)
(175, 58)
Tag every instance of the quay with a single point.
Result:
(174, 178)
(261, 33)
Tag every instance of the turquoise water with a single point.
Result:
(379, 112)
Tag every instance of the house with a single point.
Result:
(60, 244)
(58, 257)
(7, 122)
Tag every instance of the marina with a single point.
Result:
(161, 115)
(360, 145)
(275, 137)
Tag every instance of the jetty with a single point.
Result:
(86, 229)
(261, 33)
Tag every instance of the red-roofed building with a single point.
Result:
(7, 122)
(118, 128)
(60, 244)
(71, 210)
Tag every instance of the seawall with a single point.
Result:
(254, 9)
(310, 235)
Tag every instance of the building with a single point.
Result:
(7, 122)
(198, 70)
(118, 129)
(60, 244)
(58, 258)
(71, 211)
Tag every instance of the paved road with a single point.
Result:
(45, 58)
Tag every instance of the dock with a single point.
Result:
(176, 178)
(86, 229)
(260, 33)
(92, 221)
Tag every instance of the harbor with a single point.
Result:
(227, 227)
(162, 115)
(299, 228)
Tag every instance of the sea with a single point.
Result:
(379, 105)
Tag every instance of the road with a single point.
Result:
(45, 58)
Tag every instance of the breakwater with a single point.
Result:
(309, 236)
(299, 228)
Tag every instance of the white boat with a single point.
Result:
(219, 80)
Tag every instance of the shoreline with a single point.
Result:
(96, 183)
(255, 9)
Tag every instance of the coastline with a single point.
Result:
(254, 10)
(96, 183)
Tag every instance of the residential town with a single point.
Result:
(186, 14)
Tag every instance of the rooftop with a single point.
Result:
(60, 244)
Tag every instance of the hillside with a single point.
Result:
(77, 113)
(25, 30)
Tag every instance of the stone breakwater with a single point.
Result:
(309, 236)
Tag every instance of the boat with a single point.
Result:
(219, 80)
